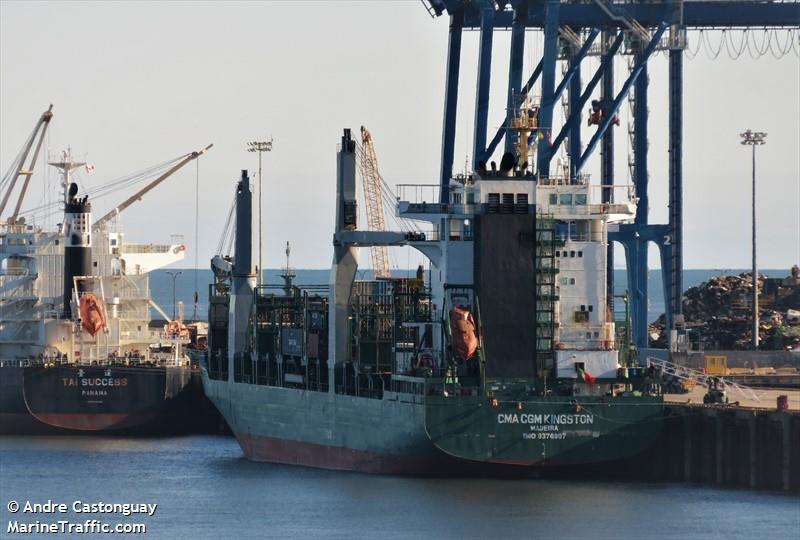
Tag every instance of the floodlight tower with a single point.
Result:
(754, 139)
(260, 147)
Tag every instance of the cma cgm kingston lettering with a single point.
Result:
(503, 352)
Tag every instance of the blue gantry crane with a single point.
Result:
(571, 29)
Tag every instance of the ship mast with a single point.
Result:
(287, 275)
(66, 166)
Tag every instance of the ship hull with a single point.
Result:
(385, 436)
(314, 429)
(15, 419)
(544, 431)
(96, 399)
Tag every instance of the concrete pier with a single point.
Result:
(728, 446)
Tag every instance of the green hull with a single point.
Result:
(543, 430)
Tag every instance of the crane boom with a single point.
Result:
(371, 179)
(19, 170)
(139, 194)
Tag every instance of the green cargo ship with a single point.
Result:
(502, 353)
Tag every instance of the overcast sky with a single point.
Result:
(135, 84)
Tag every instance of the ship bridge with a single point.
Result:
(613, 31)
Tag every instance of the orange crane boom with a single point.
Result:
(371, 179)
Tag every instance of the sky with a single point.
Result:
(135, 84)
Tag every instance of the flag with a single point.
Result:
(89, 168)
(586, 376)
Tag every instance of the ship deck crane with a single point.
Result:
(371, 179)
(18, 167)
(139, 194)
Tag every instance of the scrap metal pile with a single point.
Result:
(718, 313)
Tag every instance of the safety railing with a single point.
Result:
(559, 180)
(591, 209)
(111, 361)
(418, 193)
(148, 248)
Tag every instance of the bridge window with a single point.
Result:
(580, 198)
(581, 316)
(553, 198)
(565, 198)
(566, 230)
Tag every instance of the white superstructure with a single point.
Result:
(31, 289)
(583, 329)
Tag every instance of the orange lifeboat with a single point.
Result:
(93, 316)
(465, 337)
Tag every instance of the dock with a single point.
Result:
(752, 445)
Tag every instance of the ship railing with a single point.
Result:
(418, 193)
(19, 228)
(560, 180)
(457, 209)
(171, 361)
(586, 345)
(374, 388)
(35, 361)
(16, 272)
(422, 234)
(17, 286)
(63, 360)
(133, 361)
(147, 248)
(575, 210)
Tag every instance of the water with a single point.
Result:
(205, 489)
(161, 285)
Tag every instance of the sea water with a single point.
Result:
(205, 489)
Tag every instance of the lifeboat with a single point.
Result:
(465, 336)
(93, 317)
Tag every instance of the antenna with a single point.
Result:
(260, 147)
(287, 275)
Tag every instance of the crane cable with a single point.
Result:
(388, 200)
(17, 164)
(770, 43)
(196, 236)
(105, 188)
(226, 238)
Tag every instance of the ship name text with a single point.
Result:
(95, 381)
(546, 419)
